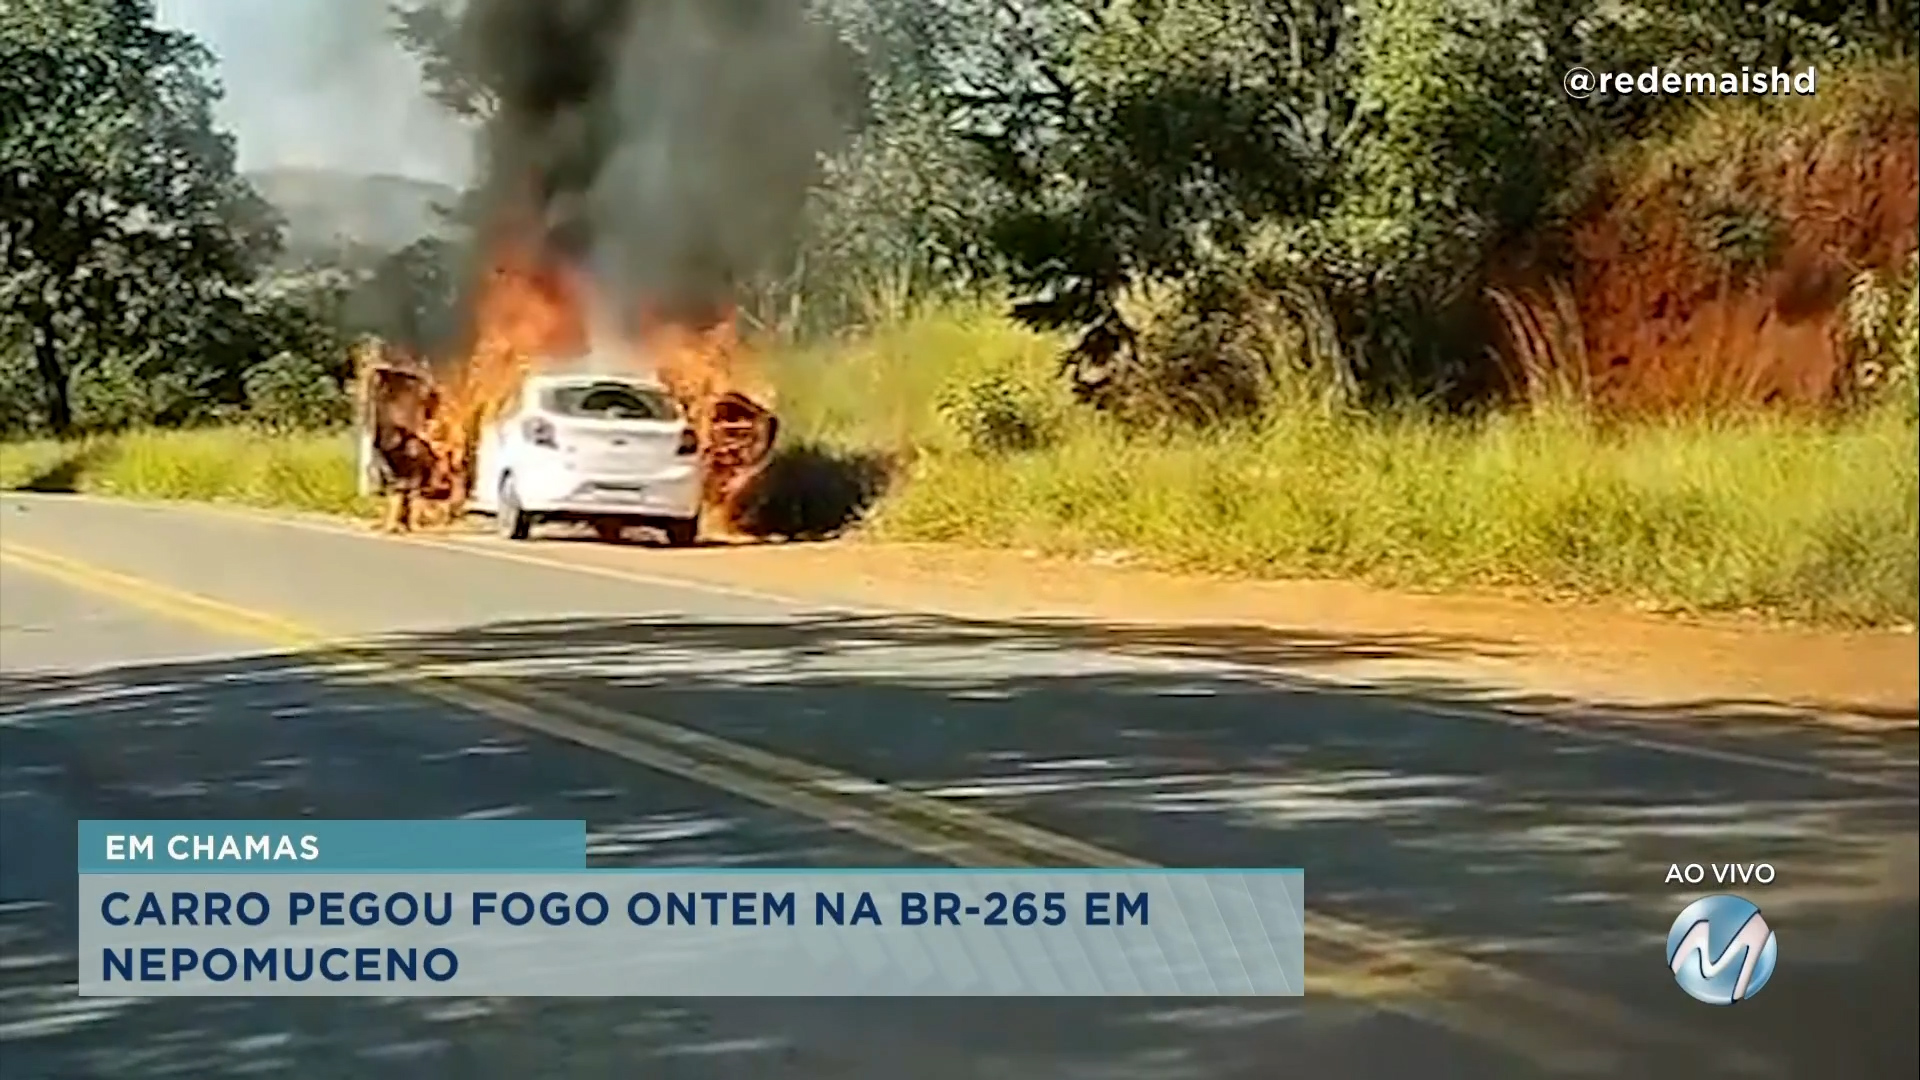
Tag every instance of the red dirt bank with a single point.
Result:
(1714, 270)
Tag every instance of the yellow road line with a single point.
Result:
(1549, 719)
(1554, 720)
(1560, 1030)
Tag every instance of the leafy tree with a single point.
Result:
(290, 392)
(306, 312)
(127, 232)
(435, 33)
(1346, 168)
(19, 385)
(900, 214)
(411, 299)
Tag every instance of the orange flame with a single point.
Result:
(526, 315)
(533, 313)
(702, 362)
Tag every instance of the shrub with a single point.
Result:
(20, 408)
(992, 414)
(1883, 336)
(292, 392)
(111, 395)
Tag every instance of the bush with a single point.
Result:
(293, 393)
(1208, 352)
(20, 392)
(1883, 335)
(882, 390)
(110, 396)
(992, 414)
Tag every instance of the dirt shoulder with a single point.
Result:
(1586, 651)
(1510, 647)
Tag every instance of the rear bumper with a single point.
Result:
(669, 493)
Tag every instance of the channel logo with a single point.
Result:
(1721, 950)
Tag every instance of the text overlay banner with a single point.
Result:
(1050, 933)
(294, 846)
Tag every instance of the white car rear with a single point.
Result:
(609, 450)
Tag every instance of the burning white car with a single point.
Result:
(610, 450)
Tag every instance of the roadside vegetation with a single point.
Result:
(1191, 300)
(1800, 516)
(309, 470)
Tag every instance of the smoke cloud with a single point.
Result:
(666, 146)
(323, 84)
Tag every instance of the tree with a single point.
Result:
(432, 30)
(411, 299)
(1335, 170)
(128, 234)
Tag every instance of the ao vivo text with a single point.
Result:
(1739, 873)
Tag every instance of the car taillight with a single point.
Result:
(689, 442)
(539, 432)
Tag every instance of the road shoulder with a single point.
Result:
(1607, 654)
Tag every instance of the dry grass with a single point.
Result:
(1792, 517)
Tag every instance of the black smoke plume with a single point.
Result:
(667, 146)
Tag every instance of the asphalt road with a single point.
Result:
(1512, 872)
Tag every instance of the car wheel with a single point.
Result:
(513, 520)
(681, 532)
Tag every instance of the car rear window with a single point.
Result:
(610, 401)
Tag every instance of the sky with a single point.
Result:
(319, 83)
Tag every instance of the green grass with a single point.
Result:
(1791, 517)
(243, 466)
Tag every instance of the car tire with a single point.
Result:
(513, 520)
(681, 532)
